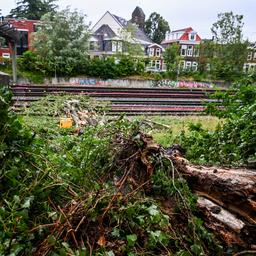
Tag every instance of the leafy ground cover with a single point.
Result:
(104, 192)
(112, 190)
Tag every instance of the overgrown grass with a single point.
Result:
(167, 136)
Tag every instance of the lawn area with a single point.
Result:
(166, 136)
(162, 134)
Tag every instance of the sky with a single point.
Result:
(198, 14)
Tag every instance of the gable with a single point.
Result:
(108, 19)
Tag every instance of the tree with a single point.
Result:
(61, 42)
(172, 58)
(130, 43)
(230, 51)
(156, 27)
(32, 9)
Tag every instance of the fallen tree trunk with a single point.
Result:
(226, 199)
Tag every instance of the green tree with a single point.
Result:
(61, 42)
(33, 9)
(156, 27)
(230, 50)
(172, 58)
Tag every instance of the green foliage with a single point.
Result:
(172, 58)
(232, 142)
(229, 49)
(61, 42)
(156, 27)
(33, 9)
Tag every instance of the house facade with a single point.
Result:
(189, 42)
(250, 65)
(110, 34)
(25, 28)
(155, 61)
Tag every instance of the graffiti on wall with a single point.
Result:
(181, 84)
(89, 81)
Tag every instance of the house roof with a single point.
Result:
(105, 30)
(184, 35)
(139, 34)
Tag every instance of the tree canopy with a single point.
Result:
(229, 48)
(33, 9)
(156, 27)
(61, 42)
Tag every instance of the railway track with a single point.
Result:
(132, 101)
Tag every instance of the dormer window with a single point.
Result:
(192, 36)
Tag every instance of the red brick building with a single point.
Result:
(25, 28)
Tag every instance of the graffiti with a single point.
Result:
(181, 84)
(89, 81)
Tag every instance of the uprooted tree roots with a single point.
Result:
(144, 207)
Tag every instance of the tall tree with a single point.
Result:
(33, 9)
(156, 27)
(61, 42)
(172, 59)
(230, 50)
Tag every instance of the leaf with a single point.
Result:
(131, 239)
(27, 202)
(153, 210)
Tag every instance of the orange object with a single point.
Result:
(66, 122)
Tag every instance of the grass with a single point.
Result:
(161, 134)
(166, 136)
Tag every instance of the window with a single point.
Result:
(190, 50)
(114, 46)
(158, 64)
(194, 66)
(249, 57)
(22, 45)
(188, 65)
(93, 46)
(119, 47)
(192, 36)
(254, 56)
(158, 52)
(182, 65)
(151, 51)
(183, 50)
(6, 55)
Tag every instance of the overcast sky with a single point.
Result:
(199, 14)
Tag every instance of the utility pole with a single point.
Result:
(14, 61)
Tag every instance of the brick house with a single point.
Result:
(25, 28)
(189, 40)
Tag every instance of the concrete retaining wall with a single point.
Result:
(125, 83)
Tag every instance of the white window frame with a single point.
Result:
(183, 49)
(119, 46)
(158, 64)
(194, 66)
(190, 50)
(194, 37)
(6, 55)
(188, 65)
(158, 52)
(151, 52)
(114, 46)
(249, 57)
